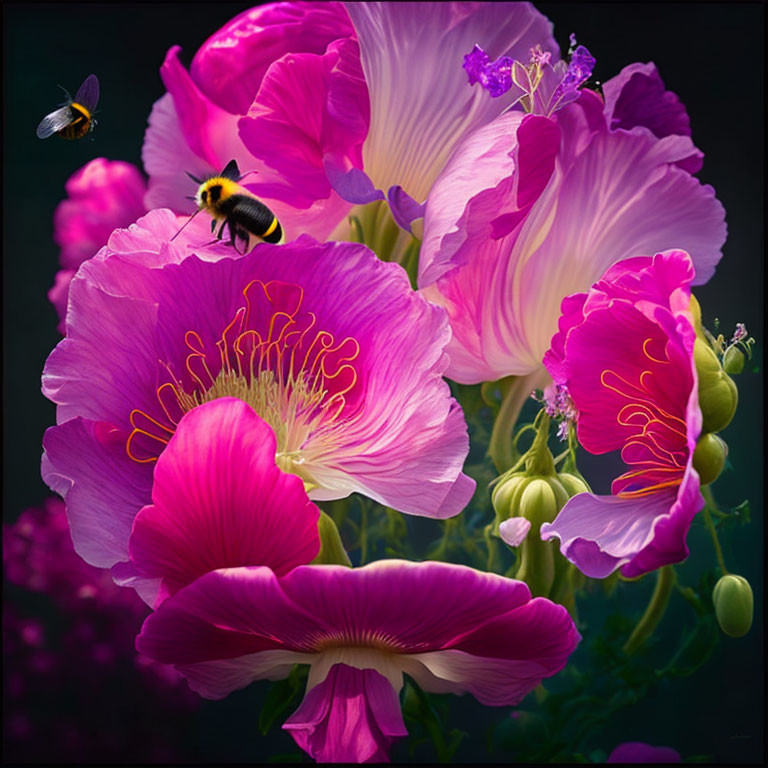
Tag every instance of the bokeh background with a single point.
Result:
(710, 54)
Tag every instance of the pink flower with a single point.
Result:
(452, 629)
(331, 105)
(327, 343)
(640, 752)
(625, 353)
(531, 209)
(102, 196)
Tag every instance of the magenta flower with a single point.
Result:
(328, 344)
(102, 196)
(639, 752)
(381, 108)
(220, 500)
(452, 629)
(531, 209)
(625, 353)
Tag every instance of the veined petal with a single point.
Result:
(79, 455)
(352, 716)
(219, 500)
(412, 56)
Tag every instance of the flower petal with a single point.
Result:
(229, 66)
(444, 600)
(225, 614)
(79, 455)
(352, 716)
(412, 55)
(219, 500)
(332, 123)
(514, 530)
(636, 96)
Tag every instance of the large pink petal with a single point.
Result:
(85, 462)
(412, 55)
(229, 66)
(225, 614)
(219, 500)
(352, 716)
(443, 600)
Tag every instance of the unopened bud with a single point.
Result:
(332, 551)
(709, 457)
(506, 496)
(734, 603)
(733, 361)
(718, 395)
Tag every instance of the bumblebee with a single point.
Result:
(233, 206)
(75, 118)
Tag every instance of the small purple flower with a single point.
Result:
(539, 87)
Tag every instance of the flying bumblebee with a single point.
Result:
(235, 207)
(75, 118)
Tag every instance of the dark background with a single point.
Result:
(710, 54)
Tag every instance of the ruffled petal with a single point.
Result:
(219, 500)
(229, 66)
(352, 716)
(412, 56)
(333, 122)
(636, 96)
(79, 455)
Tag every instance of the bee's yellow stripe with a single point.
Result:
(81, 108)
(272, 227)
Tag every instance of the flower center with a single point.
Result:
(657, 446)
(273, 356)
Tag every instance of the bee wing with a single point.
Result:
(54, 122)
(231, 171)
(88, 93)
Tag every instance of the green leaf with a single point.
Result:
(281, 696)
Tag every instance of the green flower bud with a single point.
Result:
(709, 457)
(506, 497)
(733, 601)
(332, 551)
(718, 395)
(538, 504)
(733, 361)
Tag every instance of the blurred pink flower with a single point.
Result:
(327, 343)
(624, 351)
(102, 196)
(640, 752)
(531, 209)
(455, 630)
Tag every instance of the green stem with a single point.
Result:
(665, 580)
(363, 531)
(706, 492)
(500, 447)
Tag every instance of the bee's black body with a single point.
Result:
(247, 215)
(234, 206)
